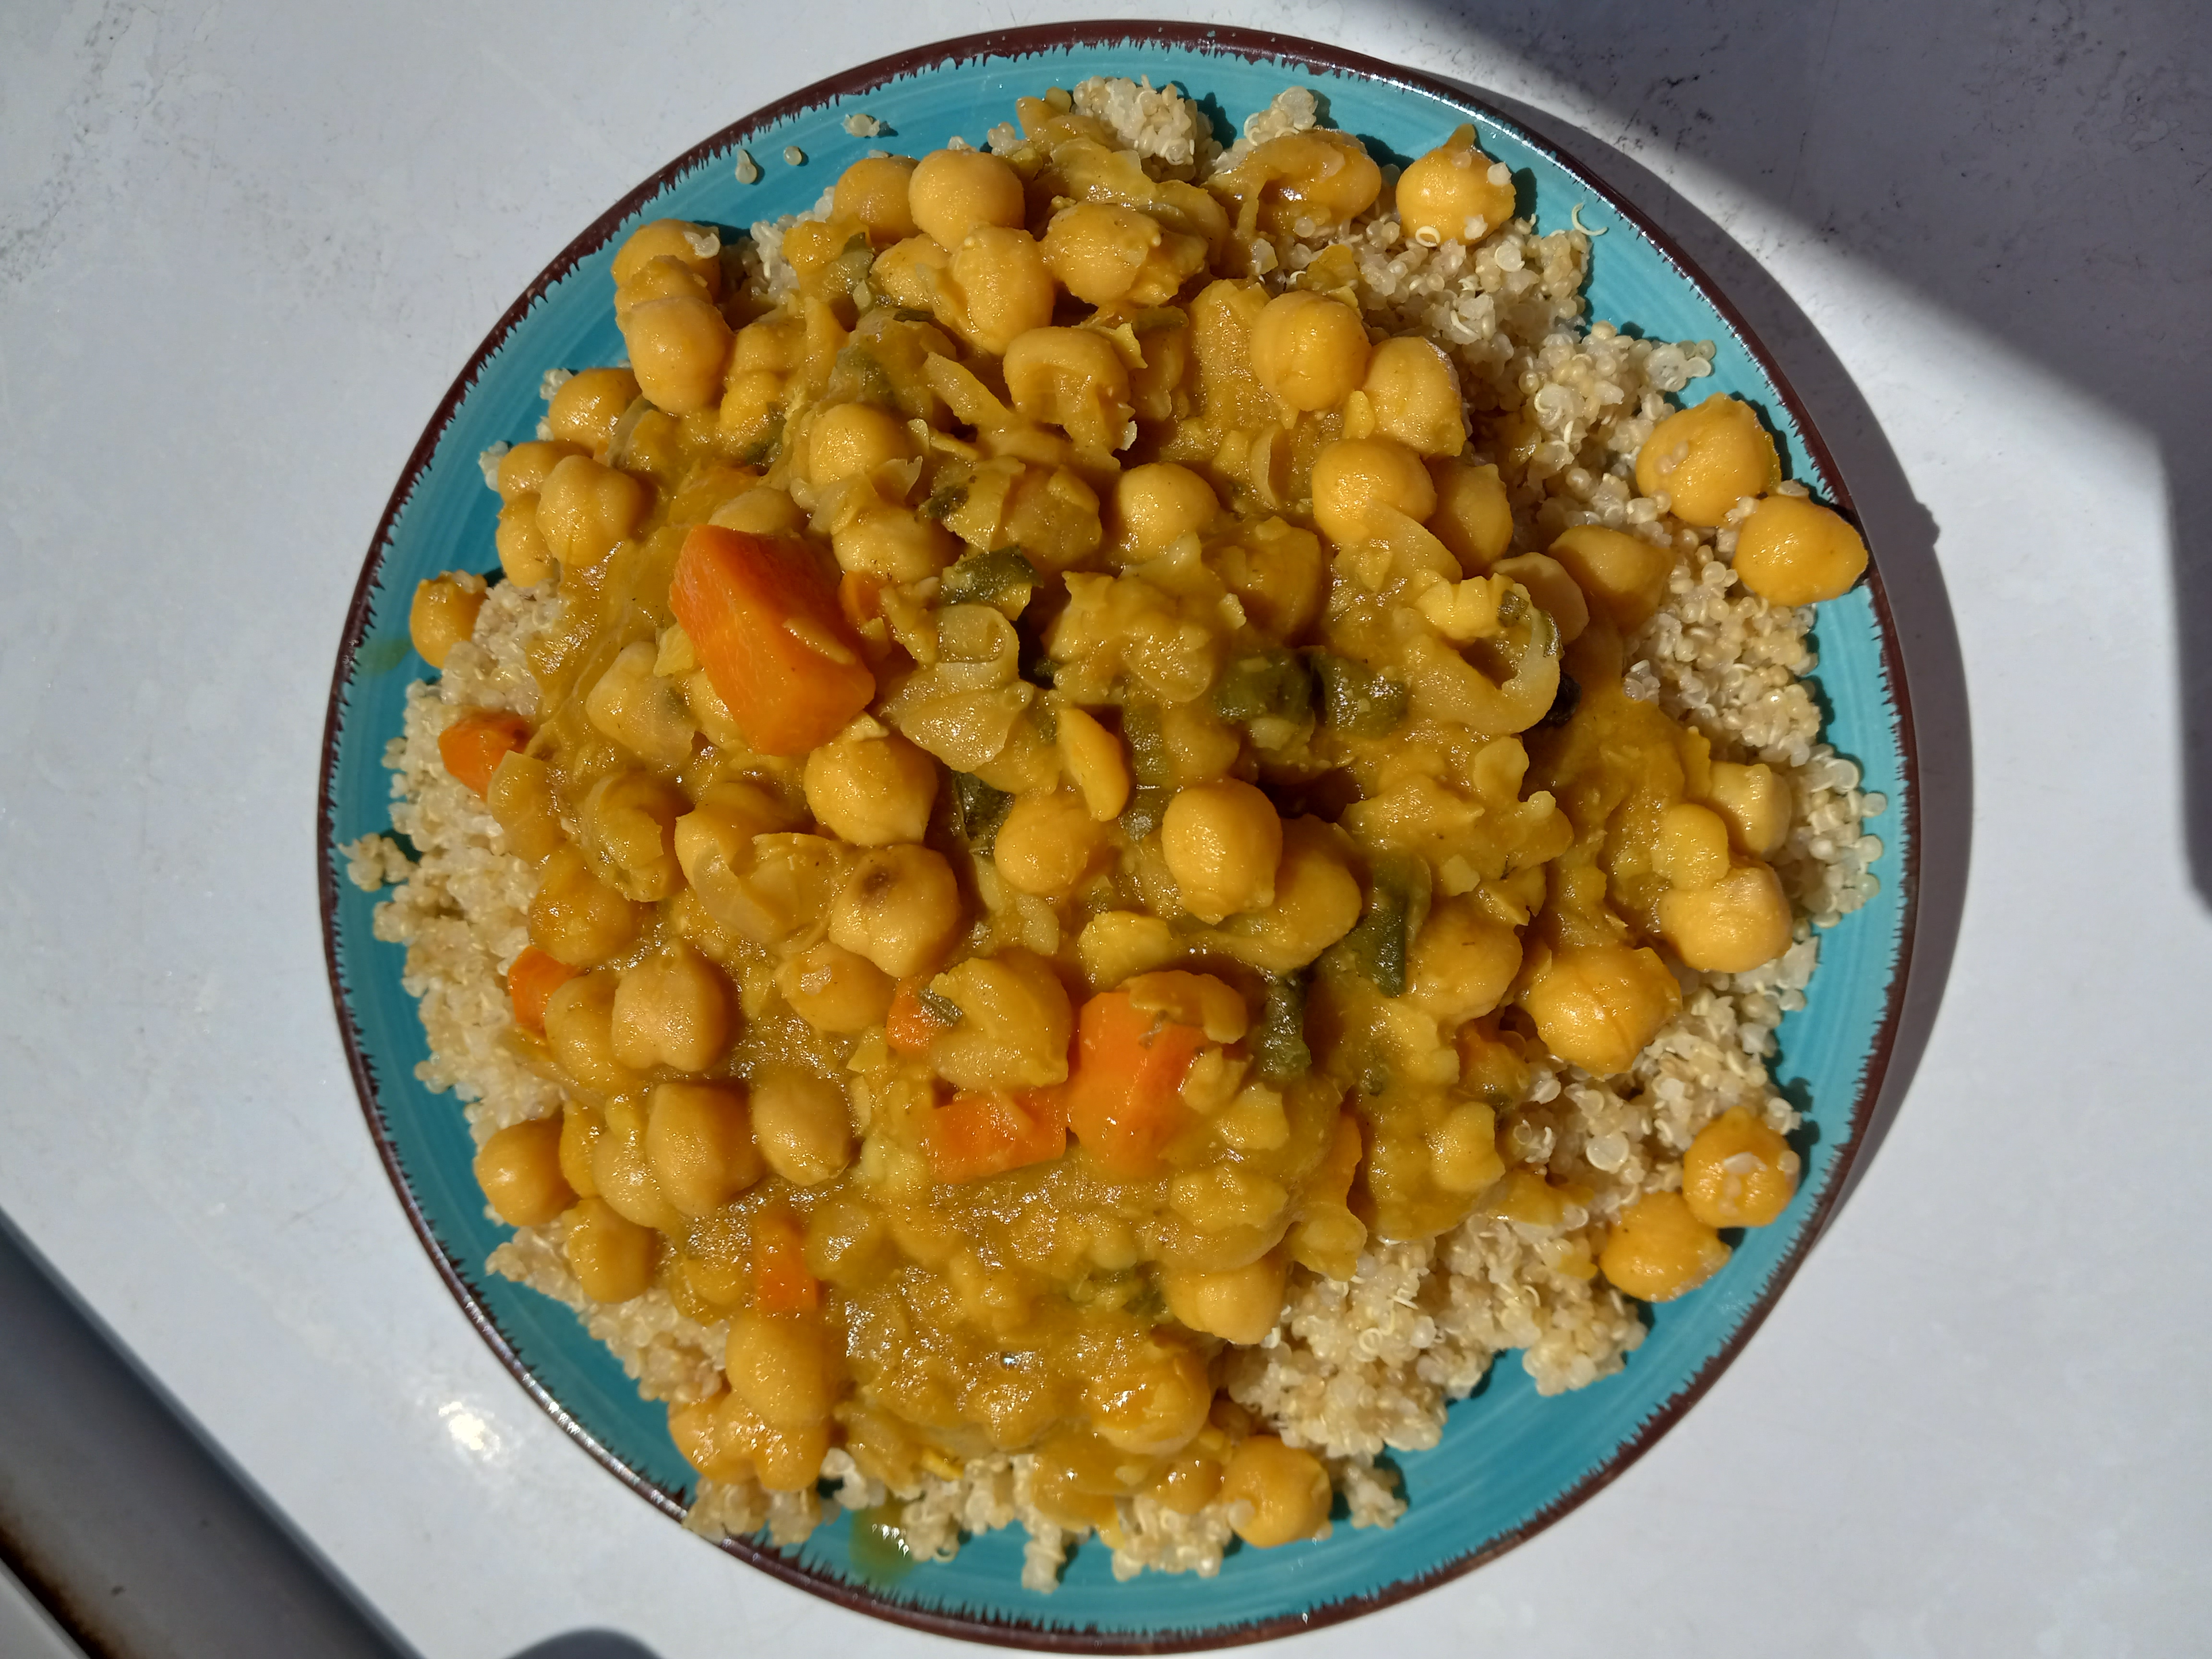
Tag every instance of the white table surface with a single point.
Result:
(246, 246)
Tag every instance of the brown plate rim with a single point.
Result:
(1256, 46)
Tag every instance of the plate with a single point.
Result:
(1509, 1463)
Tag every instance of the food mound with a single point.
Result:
(1126, 805)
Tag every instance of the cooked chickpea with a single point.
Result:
(894, 544)
(629, 823)
(875, 190)
(852, 441)
(908, 272)
(643, 711)
(779, 1366)
(1222, 841)
(1473, 515)
(1317, 902)
(698, 248)
(900, 907)
(585, 509)
(1793, 552)
(519, 1170)
(1623, 576)
(1099, 250)
(1462, 962)
(1354, 476)
(678, 346)
(624, 1173)
(1463, 1149)
(803, 1126)
(1048, 844)
(699, 1144)
(1319, 175)
(1454, 193)
(871, 792)
(1071, 377)
(610, 1254)
(1598, 1005)
(1239, 1304)
(575, 916)
(1551, 589)
(580, 1031)
(1691, 849)
(673, 1010)
(1659, 1250)
(1706, 460)
(1309, 349)
(1736, 925)
(954, 192)
(1151, 1401)
(834, 989)
(996, 288)
(523, 554)
(1158, 503)
(581, 1126)
(444, 614)
(1414, 391)
(523, 470)
(1095, 760)
(1283, 1492)
(763, 511)
(584, 407)
(1739, 1172)
(1015, 1021)
(1756, 801)
(520, 798)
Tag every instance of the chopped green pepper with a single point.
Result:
(1268, 685)
(991, 578)
(762, 451)
(945, 501)
(1357, 702)
(944, 1010)
(982, 810)
(1279, 1042)
(1378, 945)
(1148, 804)
(1149, 760)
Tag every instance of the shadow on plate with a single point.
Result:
(588, 1645)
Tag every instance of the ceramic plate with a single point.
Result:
(1510, 1462)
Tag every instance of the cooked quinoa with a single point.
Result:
(1358, 1367)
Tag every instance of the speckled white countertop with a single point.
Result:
(244, 246)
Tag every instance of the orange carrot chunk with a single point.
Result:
(976, 1135)
(473, 745)
(535, 977)
(782, 1282)
(1125, 1092)
(767, 628)
(860, 597)
(909, 1027)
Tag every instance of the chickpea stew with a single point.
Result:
(1090, 785)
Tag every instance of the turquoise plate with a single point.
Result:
(1509, 1463)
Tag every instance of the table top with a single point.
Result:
(244, 248)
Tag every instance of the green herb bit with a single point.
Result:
(762, 451)
(1269, 685)
(944, 1010)
(1378, 945)
(1158, 320)
(1149, 760)
(1148, 804)
(943, 503)
(1357, 703)
(1511, 609)
(913, 314)
(982, 810)
(1279, 1042)
(991, 578)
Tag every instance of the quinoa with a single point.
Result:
(1354, 1368)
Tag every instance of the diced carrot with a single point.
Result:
(909, 1027)
(535, 977)
(860, 597)
(1124, 1093)
(473, 745)
(975, 1135)
(765, 623)
(781, 1284)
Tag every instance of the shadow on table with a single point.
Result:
(588, 1645)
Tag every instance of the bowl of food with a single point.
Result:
(1080, 848)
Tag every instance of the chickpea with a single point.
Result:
(875, 190)
(1151, 1400)
(1109, 255)
(1659, 1250)
(1706, 460)
(1015, 1021)
(1739, 1172)
(1733, 926)
(1309, 349)
(523, 554)
(1157, 504)
(996, 288)
(1463, 1149)
(1598, 1005)
(585, 509)
(1048, 844)
(852, 441)
(642, 710)
(1462, 962)
(1187, 1485)
(699, 1144)
(1277, 572)
(576, 917)
(779, 1366)
(1414, 391)
(893, 544)
(763, 511)
(1071, 377)
(871, 792)
(585, 409)
(444, 614)
(1316, 175)
(696, 248)
(524, 468)
(1353, 477)
(908, 273)
(673, 1010)
(1621, 575)
(519, 1170)
(520, 798)
(1756, 801)
(1240, 1305)
(1454, 193)
(581, 1126)
(1317, 902)
(803, 1126)
(1222, 841)
(629, 825)
(580, 1030)
(1691, 849)
(624, 1173)
(1793, 552)
(1549, 587)
(1473, 516)
(900, 907)
(953, 193)
(1094, 759)
(678, 346)
(610, 1254)
(1285, 1491)
(834, 989)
